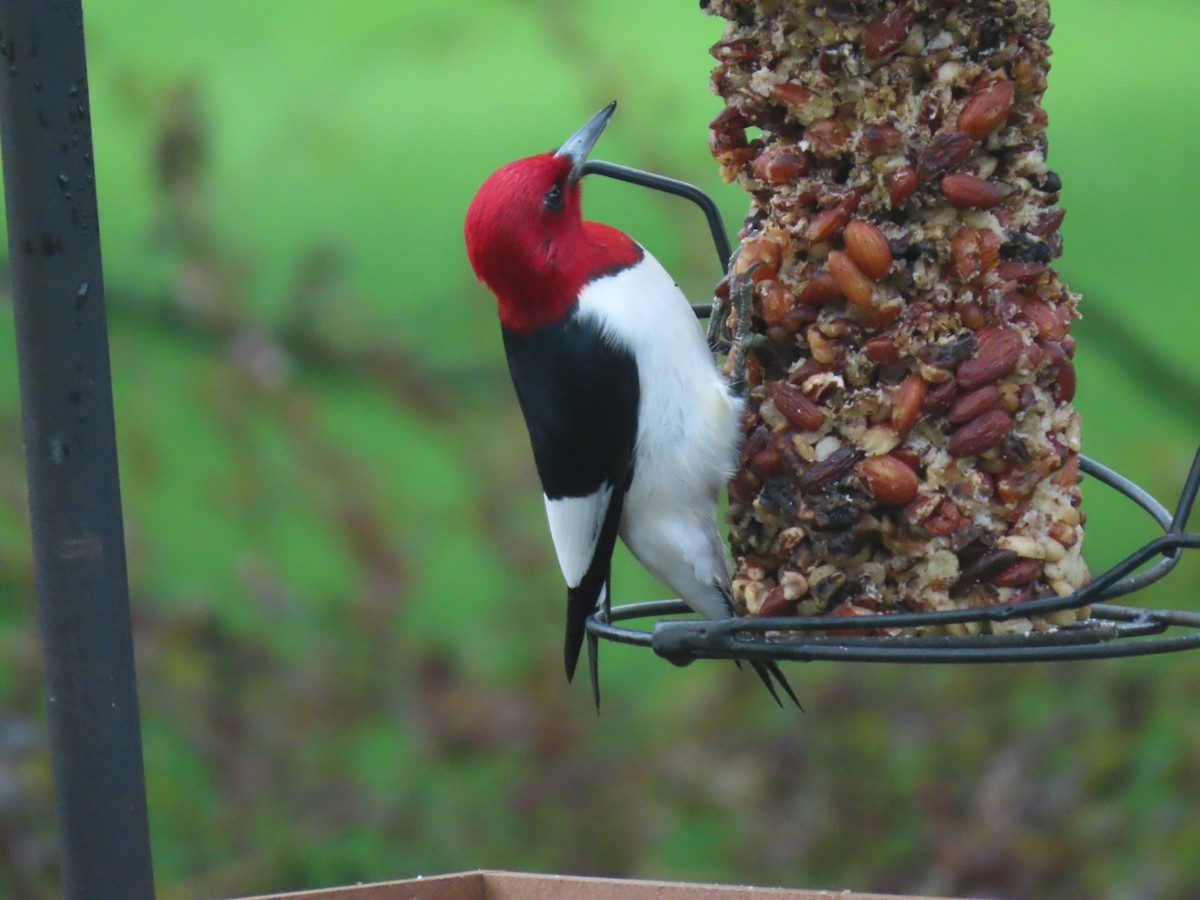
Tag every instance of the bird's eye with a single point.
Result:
(553, 200)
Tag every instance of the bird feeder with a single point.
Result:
(908, 481)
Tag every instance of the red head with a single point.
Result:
(526, 237)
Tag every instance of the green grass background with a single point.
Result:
(347, 609)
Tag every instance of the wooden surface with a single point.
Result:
(514, 886)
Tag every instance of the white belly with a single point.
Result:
(687, 432)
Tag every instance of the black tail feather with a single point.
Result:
(769, 673)
(581, 603)
(583, 600)
(595, 587)
(594, 668)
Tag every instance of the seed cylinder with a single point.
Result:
(936, 465)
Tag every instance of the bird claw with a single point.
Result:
(717, 338)
(737, 342)
(718, 320)
(741, 296)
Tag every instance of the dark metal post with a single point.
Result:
(70, 451)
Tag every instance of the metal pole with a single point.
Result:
(70, 451)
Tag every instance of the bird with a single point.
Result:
(633, 429)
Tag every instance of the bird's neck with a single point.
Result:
(538, 286)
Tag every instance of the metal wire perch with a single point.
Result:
(1111, 630)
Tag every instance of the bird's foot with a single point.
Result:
(738, 295)
(737, 340)
(741, 298)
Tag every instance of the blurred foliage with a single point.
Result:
(347, 611)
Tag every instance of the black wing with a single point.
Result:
(579, 394)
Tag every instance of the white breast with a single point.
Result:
(687, 430)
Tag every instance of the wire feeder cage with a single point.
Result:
(1111, 630)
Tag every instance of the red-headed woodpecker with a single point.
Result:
(634, 431)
